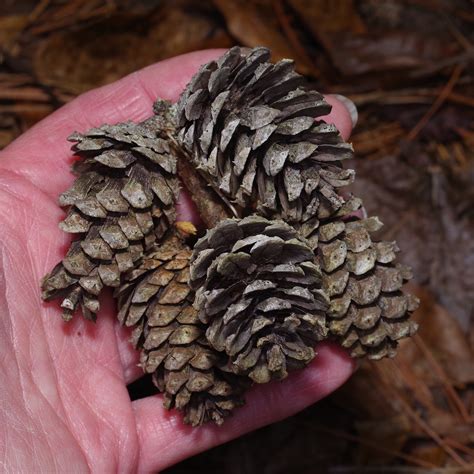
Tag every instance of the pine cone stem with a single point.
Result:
(212, 207)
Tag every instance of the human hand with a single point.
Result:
(64, 402)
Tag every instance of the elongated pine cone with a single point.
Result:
(155, 298)
(368, 312)
(249, 127)
(120, 204)
(259, 291)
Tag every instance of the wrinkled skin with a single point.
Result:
(63, 398)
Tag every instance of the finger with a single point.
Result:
(186, 209)
(129, 356)
(42, 154)
(164, 440)
(343, 114)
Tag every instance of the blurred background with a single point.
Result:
(408, 66)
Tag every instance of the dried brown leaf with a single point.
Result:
(254, 24)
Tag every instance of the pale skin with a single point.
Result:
(64, 406)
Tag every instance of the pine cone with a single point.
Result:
(258, 290)
(121, 203)
(156, 298)
(368, 312)
(248, 125)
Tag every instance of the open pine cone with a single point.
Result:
(251, 299)
(249, 126)
(369, 312)
(258, 290)
(120, 204)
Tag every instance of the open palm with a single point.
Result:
(64, 402)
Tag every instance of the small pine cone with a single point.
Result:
(258, 290)
(368, 310)
(121, 203)
(249, 127)
(156, 298)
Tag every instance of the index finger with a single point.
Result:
(40, 154)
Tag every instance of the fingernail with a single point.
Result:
(350, 106)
